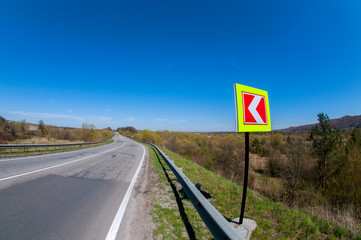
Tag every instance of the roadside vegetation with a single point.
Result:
(12, 132)
(314, 173)
(176, 218)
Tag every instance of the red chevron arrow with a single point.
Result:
(254, 109)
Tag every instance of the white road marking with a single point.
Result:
(252, 108)
(51, 154)
(58, 165)
(114, 228)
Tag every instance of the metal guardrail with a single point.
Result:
(216, 223)
(36, 146)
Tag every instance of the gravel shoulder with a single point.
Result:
(137, 222)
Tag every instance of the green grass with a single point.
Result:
(274, 219)
(50, 149)
(174, 218)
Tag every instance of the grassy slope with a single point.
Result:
(274, 220)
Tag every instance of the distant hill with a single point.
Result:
(346, 122)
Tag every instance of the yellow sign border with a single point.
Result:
(241, 127)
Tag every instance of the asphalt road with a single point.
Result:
(73, 195)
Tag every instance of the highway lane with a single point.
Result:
(72, 195)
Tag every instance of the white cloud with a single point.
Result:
(48, 115)
(161, 119)
(98, 118)
(102, 118)
(169, 120)
(63, 116)
(129, 119)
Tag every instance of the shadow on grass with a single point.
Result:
(198, 186)
(182, 212)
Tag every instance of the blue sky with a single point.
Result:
(172, 64)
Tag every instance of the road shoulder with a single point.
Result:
(137, 222)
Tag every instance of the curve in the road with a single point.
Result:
(62, 196)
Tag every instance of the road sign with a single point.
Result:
(252, 109)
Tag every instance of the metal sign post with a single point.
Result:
(245, 181)
(252, 115)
